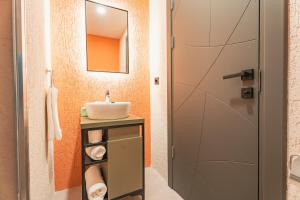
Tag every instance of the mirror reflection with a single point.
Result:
(106, 38)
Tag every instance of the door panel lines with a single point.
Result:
(214, 130)
(210, 7)
(199, 83)
(199, 146)
(212, 46)
(246, 41)
(186, 84)
(218, 56)
(239, 21)
(227, 161)
(229, 107)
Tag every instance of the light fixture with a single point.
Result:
(101, 10)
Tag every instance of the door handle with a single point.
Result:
(245, 75)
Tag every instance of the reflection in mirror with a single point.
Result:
(106, 38)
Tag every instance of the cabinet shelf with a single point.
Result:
(89, 161)
(111, 162)
(95, 144)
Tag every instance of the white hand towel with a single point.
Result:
(54, 130)
(96, 153)
(95, 186)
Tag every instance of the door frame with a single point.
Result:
(273, 100)
(20, 93)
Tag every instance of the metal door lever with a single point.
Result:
(245, 75)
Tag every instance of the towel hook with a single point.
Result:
(51, 76)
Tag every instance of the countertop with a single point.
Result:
(86, 123)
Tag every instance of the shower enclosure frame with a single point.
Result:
(20, 97)
(273, 106)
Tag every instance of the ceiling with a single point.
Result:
(112, 24)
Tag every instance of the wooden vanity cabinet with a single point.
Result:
(123, 168)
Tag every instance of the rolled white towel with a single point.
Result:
(96, 153)
(95, 185)
(95, 136)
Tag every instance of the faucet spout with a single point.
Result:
(107, 97)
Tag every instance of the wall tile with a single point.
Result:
(293, 91)
(35, 60)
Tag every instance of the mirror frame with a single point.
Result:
(127, 39)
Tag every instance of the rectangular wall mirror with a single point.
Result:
(106, 38)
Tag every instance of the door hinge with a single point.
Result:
(172, 5)
(173, 152)
(259, 81)
(172, 42)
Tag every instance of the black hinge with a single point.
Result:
(172, 42)
(173, 152)
(259, 81)
(172, 4)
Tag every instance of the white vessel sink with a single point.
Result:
(103, 110)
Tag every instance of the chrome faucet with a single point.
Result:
(107, 97)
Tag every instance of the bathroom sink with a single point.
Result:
(104, 110)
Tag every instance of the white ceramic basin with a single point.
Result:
(103, 110)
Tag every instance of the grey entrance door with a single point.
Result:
(215, 129)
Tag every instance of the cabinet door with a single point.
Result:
(125, 166)
(123, 132)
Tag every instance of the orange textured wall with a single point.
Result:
(77, 86)
(103, 53)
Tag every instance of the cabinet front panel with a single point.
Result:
(125, 166)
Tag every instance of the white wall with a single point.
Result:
(158, 93)
(123, 52)
(294, 92)
(37, 58)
